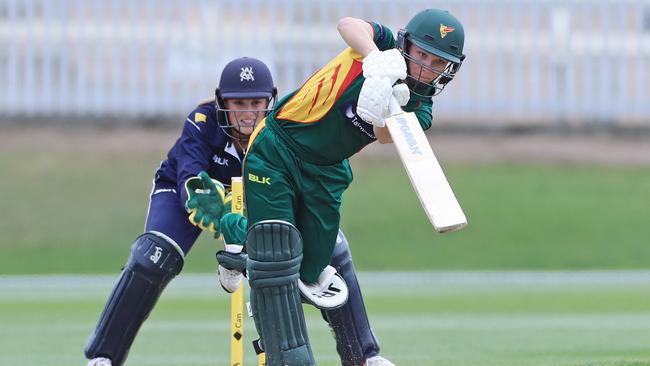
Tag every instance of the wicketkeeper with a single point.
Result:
(296, 167)
(184, 201)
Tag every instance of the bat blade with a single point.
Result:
(424, 171)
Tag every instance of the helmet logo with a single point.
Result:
(444, 29)
(246, 74)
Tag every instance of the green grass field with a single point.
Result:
(430, 318)
(78, 210)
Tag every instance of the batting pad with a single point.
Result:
(274, 256)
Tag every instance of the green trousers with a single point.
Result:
(278, 185)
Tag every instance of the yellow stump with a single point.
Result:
(237, 297)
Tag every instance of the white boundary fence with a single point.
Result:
(575, 62)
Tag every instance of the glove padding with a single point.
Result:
(230, 279)
(233, 228)
(402, 94)
(329, 292)
(231, 269)
(227, 203)
(374, 99)
(232, 262)
(205, 202)
(385, 64)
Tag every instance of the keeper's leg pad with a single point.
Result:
(355, 340)
(274, 255)
(155, 259)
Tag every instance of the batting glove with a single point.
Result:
(231, 269)
(233, 228)
(328, 292)
(232, 262)
(374, 99)
(385, 64)
(402, 94)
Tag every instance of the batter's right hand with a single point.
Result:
(232, 261)
(231, 269)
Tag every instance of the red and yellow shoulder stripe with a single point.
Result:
(319, 93)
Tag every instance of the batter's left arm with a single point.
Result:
(358, 34)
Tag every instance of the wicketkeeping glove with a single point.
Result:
(227, 203)
(205, 202)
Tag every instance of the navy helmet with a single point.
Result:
(244, 78)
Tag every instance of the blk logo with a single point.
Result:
(262, 180)
(220, 161)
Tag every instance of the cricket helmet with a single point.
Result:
(439, 33)
(243, 78)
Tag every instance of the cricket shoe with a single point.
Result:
(100, 361)
(377, 361)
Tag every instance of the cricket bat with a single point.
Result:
(424, 171)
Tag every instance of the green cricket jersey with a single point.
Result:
(319, 121)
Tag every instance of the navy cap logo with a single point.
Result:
(246, 74)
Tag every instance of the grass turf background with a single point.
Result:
(78, 211)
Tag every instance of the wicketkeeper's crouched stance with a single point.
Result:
(296, 167)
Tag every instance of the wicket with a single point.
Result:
(237, 297)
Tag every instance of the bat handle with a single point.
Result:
(394, 107)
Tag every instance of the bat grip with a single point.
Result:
(394, 107)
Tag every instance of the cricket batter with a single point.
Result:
(296, 168)
(186, 200)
